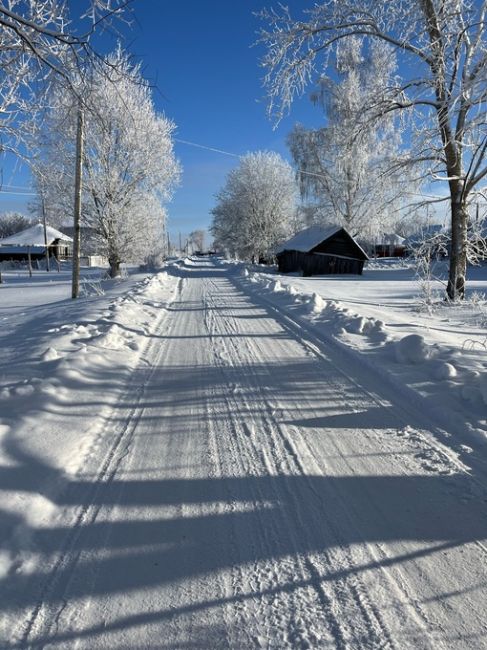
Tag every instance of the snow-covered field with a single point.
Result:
(219, 457)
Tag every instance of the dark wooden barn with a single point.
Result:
(321, 251)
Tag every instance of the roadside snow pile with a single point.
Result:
(71, 364)
(452, 379)
(411, 349)
(107, 336)
(317, 304)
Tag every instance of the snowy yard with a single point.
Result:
(219, 457)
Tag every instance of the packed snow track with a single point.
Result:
(255, 490)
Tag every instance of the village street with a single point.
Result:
(259, 491)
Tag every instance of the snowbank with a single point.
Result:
(64, 367)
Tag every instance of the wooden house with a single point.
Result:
(321, 251)
(30, 243)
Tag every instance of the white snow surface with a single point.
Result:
(34, 236)
(217, 456)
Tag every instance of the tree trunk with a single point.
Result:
(114, 267)
(458, 252)
(77, 203)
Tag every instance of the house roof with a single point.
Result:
(34, 236)
(391, 239)
(307, 239)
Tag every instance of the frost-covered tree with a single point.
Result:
(129, 163)
(12, 223)
(197, 239)
(255, 208)
(343, 169)
(41, 39)
(440, 85)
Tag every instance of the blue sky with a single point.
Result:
(199, 55)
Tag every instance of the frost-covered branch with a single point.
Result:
(440, 92)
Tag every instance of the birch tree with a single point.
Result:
(255, 207)
(440, 85)
(346, 171)
(129, 163)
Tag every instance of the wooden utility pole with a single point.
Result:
(48, 267)
(77, 202)
(29, 261)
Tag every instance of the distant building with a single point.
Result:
(31, 242)
(321, 251)
(390, 245)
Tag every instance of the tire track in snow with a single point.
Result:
(275, 618)
(237, 461)
(376, 627)
(355, 589)
(44, 616)
(301, 335)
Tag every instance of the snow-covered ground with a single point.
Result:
(439, 351)
(219, 457)
(63, 366)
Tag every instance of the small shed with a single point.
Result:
(31, 242)
(321, 251)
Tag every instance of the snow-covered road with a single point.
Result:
(255, 489)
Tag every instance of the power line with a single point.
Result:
(236, 155)
(202, 146)
(18, 193)
(300, 171)
(13, 187)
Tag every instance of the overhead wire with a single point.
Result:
(300, 171)
(25, 191)
(18, 193)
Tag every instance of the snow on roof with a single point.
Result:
(305, 240)
(391, 239)
(34, 236)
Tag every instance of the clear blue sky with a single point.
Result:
(199, 55)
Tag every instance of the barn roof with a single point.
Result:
(305, 240)
(34, 236)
